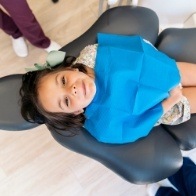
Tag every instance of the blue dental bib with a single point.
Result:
(132, 79)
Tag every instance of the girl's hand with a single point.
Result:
(174, 98)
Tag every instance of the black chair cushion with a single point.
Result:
(180, 44)
(184, 134)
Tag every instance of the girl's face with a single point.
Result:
(68, 91)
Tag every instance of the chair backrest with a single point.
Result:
(149, 159)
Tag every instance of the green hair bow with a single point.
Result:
(54, 58)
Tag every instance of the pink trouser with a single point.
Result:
(22, 22)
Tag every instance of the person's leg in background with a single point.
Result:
(26, 22)
(8, 25)
(167, 191)
(182, 182)
(185, 179)
(155, 189)
(10, 28)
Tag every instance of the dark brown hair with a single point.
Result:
(32, 111)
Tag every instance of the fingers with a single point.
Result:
(176, 93)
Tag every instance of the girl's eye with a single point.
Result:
(63, 80)
(66, 101)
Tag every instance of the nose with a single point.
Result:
(69, 90)
(73, 90)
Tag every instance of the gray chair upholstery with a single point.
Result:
(10, 117)
(149, 159)
(180, 44)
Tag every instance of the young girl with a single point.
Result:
(117, 89)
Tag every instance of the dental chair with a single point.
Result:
(149, 159)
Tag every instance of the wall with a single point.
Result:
(172, 13)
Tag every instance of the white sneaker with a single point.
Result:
(112, 2)
(20, 47)
(53, 46)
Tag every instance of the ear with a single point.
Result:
(79, 112)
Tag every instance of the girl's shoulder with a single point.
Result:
(87, 56)
(89, 48)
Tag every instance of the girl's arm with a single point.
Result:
(174, 98)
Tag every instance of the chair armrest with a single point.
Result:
(180, 44)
